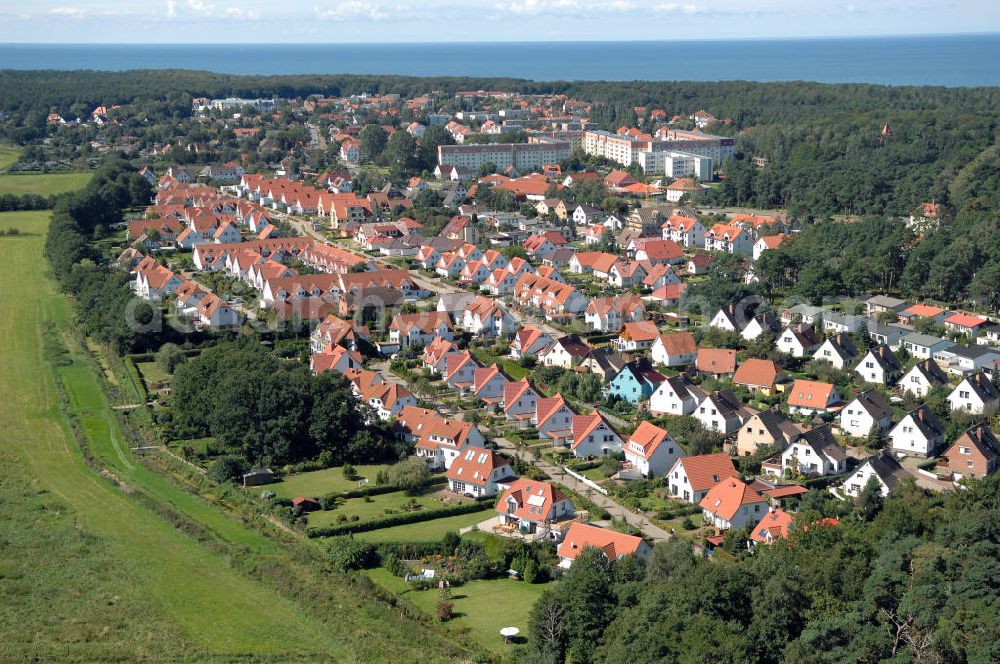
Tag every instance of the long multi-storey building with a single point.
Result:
(626, 150)
(676, 164)
(522, 156)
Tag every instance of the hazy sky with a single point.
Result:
(340, 21)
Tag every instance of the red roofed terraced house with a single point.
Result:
(520, 400)
(965, 324)
(733, 504)
(478, 472)
(529, 340)
(692, 477)
(650, 451)
(531, 507)
(554, 418)
(489, 385)
(438, 440)
(612, 544)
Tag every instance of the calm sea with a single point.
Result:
(952, 60)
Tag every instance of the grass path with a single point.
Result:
(218, 611)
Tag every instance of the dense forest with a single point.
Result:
(905, 579)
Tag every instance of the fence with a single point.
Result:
(593, 485)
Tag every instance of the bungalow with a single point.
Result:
(733, 504)
(554, 418)
(722, 412)
(798, 340)
(669, 295)
(479, 472)
(677, 395)
(808, 397)
(924, 345)
(919, 433)
(419, 329)
(879, 366)
(883, 467)
(659, 252)
(802, 313)
(716, 361)
(636, 336)
(593, 436)
(597, 263)
(966, 324)
(923, 377)
(691, 477)
(636, 382)
(890, 335)
(674, 349)
(529, 340)
(613, 544)
(758, 376)
(519, 400)
(815, 452)
(869, 409)
(438, 440)
(974, 394)
(837, 323)
(768, 428)
(909, 315)
(976, 453)
(837, 350)
(651, 451)
(960, 360)
(879, 304)
(531, 506)
(699, 264)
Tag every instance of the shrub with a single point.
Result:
(411, 475)
(350, 473)
(169, 357)
(688, 524)
(445, 610)
(530, 572)
(347, 553)
(228, 468)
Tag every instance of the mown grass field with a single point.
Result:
(44, 184)
(319, 482)
(425, 531)
(374, 507)
(482, 607)
(162, 593)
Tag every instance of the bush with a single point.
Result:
(411, 475)
(169, 357)
(347, 553)
(350, 473)
(444, 610)
(530, 572)
(228, 468)
(688, 524)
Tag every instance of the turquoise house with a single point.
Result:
(635, 382)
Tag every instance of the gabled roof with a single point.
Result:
(980, 437)
(716, 360)
(678, 343)
(514, 390)
(583, 535)
(810, 394)
(643, 330)
(772, 527)
(727, 497)
(885, 358)
(706, 470)
(532, 499)
(475, 466)
(547, 407)
(924, 419)
(886, 466)
(757, 372)
(981, 384)
(874, 404)
(823, 443)
(649, 437)
(584, 425)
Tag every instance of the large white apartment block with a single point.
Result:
(626, 150)
(522, 156)
(621, 149)
(676, 164)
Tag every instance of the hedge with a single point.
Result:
(402, 519)
(379, 490)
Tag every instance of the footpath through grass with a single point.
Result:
(201, 607)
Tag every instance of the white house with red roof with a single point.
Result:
(593, 436)
(554, 418)
(479, 472)
(435, 355)
(685, 231)
(438, 440)
(460, 371)
(419, 329)
(335, 358)
(612, 544)
(659, 252)
(529, 340)
(520, 400)
(774, 526)
(731, 239)
(450, 264)
(651, 451)
(532, 507)
(486, 317)
(691, 477)
(489, 383)
(733, 504)
(608, 314)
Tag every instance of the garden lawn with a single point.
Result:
(320, 482)
(376, 509)
(425, 531)
(43, 184)
(482, 607)
(152, 373)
